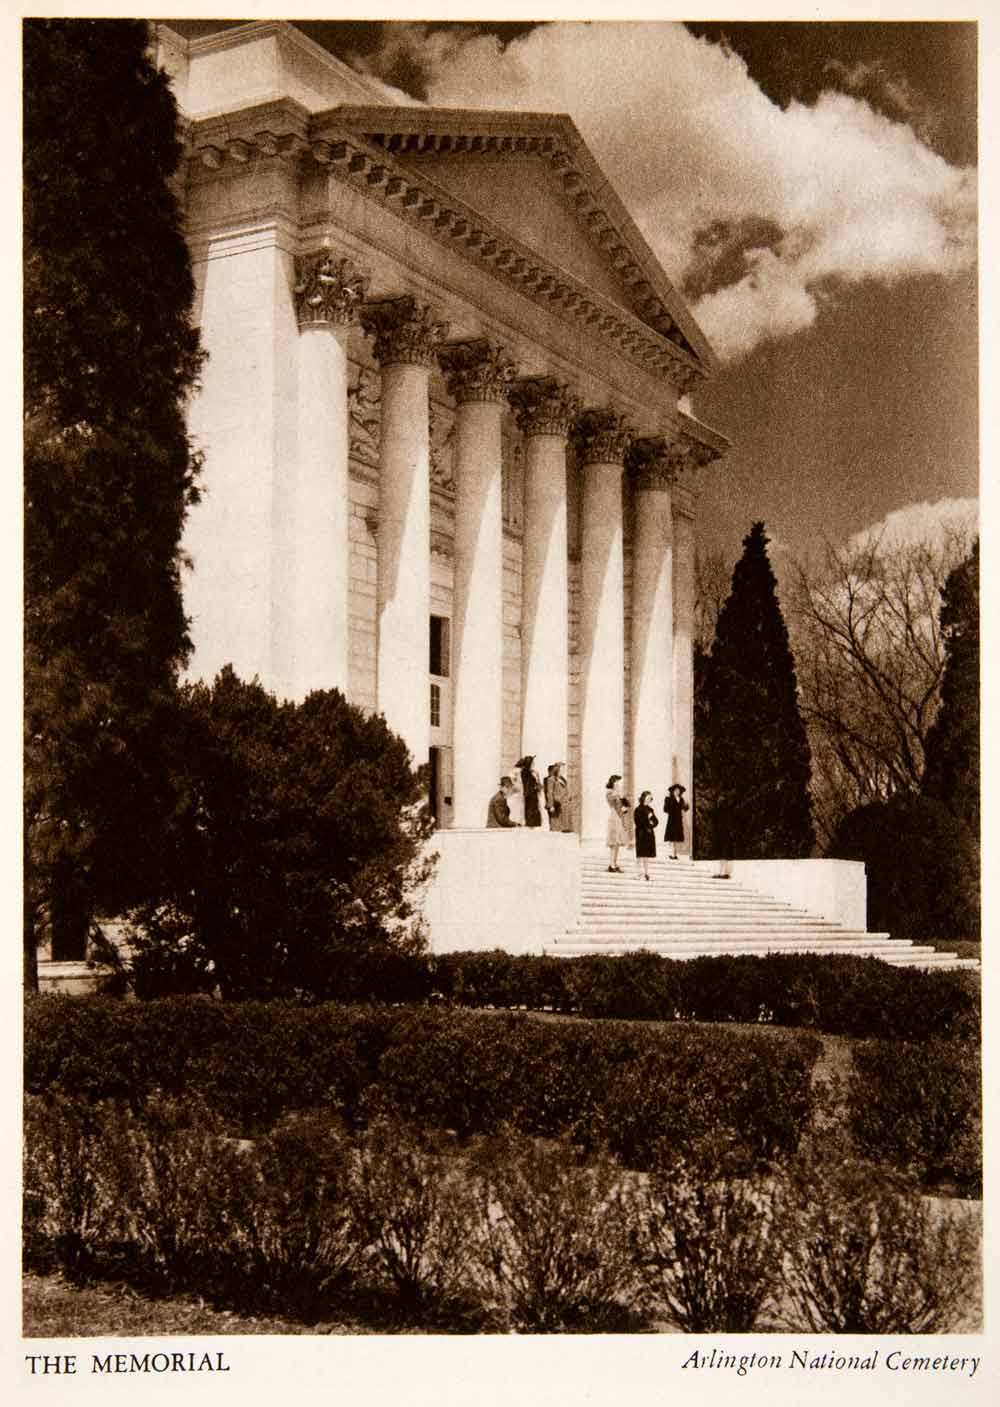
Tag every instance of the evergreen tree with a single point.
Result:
(289, 868)
(951, 755)
(921, 864)
(752, 756)
(109, 357)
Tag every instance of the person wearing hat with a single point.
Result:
(674, 807)
(556, 789)
(531, 786)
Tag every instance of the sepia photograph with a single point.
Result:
(501, 857)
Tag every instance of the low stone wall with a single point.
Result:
(70, 979)
(511, 889)
(832, 889)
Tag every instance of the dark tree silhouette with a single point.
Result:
(109, 357)
(951, 754)
(751, 753)
(292, 859)
(921, 865)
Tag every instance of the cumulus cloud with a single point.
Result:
(701, 155)
(937, 525)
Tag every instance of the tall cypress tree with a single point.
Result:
(751, 752)
(951, 754)
(110, 355)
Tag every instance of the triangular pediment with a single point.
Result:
(532, 175)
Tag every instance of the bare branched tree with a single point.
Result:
(870, 659)
(713, 579)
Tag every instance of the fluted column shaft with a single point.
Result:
(327, 294)
(604, 440)
(546, 410)
(652, 657)
(683, 582)
(406, 339)
(478, 375)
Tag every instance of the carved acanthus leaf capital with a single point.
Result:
(688, 454)
(603, 437)
(651, 465)
(327, 289)
(405, 331)
(476, 370)
(544, 405)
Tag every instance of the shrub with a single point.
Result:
(867, 1255)
(69, 1184)
(174, 1185)
(922, 864)
(679, 1084)
(290, 867)
(633, 986)
(841, 994)
(413, 1207)
(706, 1242)
(920, 1106)
(626, 1085)
(296, 1237)
(556, 1250)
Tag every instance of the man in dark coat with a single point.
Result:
(498, 814)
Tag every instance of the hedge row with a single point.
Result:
(624, 1086)
(920, 1107)
(852, 996)
(512, 1233)
(843, 995)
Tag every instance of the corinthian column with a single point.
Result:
(604, 440)
(406, 341)
(683, 578)
(546, 410)
(652, 675)
(327, 293)
(478, 376)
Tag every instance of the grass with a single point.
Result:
(52, 1309)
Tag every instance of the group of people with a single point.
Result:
(645, 821)
(551, 794)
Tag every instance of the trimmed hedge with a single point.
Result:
(623, 1086)
(841, 995)
(920, 1106)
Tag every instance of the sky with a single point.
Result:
(811, 189)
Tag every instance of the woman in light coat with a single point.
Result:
(616, 826)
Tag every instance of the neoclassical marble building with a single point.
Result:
(447, 465)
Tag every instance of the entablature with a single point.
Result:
(284, 133)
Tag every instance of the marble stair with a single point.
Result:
(685, 910)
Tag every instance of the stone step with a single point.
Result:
(686, 910)
(697, 918)
(650, 904)
(749, 938)
(939, 961)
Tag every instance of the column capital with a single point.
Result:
(651, 464)
(327, 290)
(476, 370)
(544, 405)
(603, 436)
(405, 331)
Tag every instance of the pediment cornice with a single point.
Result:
(282, 130)
(409, 132)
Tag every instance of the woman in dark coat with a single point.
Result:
(531, 785)
(646, 821)
(556, 792)
(674, 807)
